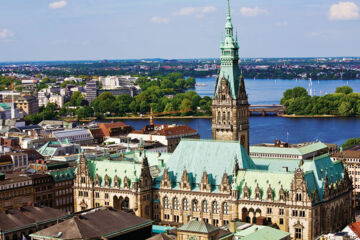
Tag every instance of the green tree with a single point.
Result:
(84, 112)
(345, 109)
(344, 89)
(351, 142)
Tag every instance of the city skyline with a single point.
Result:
(80, 30)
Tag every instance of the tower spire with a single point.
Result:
(228, 10)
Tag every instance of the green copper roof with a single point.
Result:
(291, 151)
(229, 59)
(4, 106)
(263, 179)
(257, 232)
(127, 164)
(315, 171)
(214, 157)
(198, 227)
(63, 174)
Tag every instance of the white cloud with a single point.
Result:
(344, 11)
(58, 4)
(5, 34)
(198, 12)
(160, 20)
(281, 24)
(185, 11)
(252, 12)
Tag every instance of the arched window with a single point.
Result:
(225, 208)
(223, 116)
(175, 203)
(228, 116)
(185, 204)
(215, 207)
(298, 197)
(205, 206)
(166, 203)
(195, 205)
(219, 116)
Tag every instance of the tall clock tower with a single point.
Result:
(230, 107)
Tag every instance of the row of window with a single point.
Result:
(83, 194)
(195, 206)
(19, 192)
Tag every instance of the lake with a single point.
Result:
(267, 129)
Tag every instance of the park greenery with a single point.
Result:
(351, 142)
(344, 102)
(162, 94)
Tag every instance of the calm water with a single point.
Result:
(267, 129)
(263, 91)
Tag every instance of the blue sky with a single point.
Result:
(123, 29)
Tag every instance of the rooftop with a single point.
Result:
(95, 224)
(23, 217)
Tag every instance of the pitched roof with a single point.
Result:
(198, 227)
(214, 157)
(262, 232)
(355, 227)
(114, 125)
(176, 130)
(348, 154)
(25, 216)
(94, 224)
(163, 236)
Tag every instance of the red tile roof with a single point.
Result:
(355, 227)
(347, 154)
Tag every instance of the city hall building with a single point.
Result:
(216, 180)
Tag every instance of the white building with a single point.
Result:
(113, 82)
(72, 78)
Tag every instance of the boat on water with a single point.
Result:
(201, 84)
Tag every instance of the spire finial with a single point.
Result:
(228, 6)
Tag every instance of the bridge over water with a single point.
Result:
(264, 110)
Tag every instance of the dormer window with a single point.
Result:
(257, 195)
(223, 97)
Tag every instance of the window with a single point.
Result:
(83, 180)
(225, 208)
(80, 193)
(298, 197)
(106, 195)
(97, 204)
(106, 203)
(205, 206)
(166, 203)
(195, 205)
(175, 204)
(257, 195)
(215, 207)
(269, 210)
(295, 213)
(302, 213)
(215, 222)
(166, 216)
(298, 233)
(281, 211)
(97, 195)
(176, 218)
(281, 221)
(185, 204)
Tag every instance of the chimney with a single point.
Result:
(232, 226)
(186, 218)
